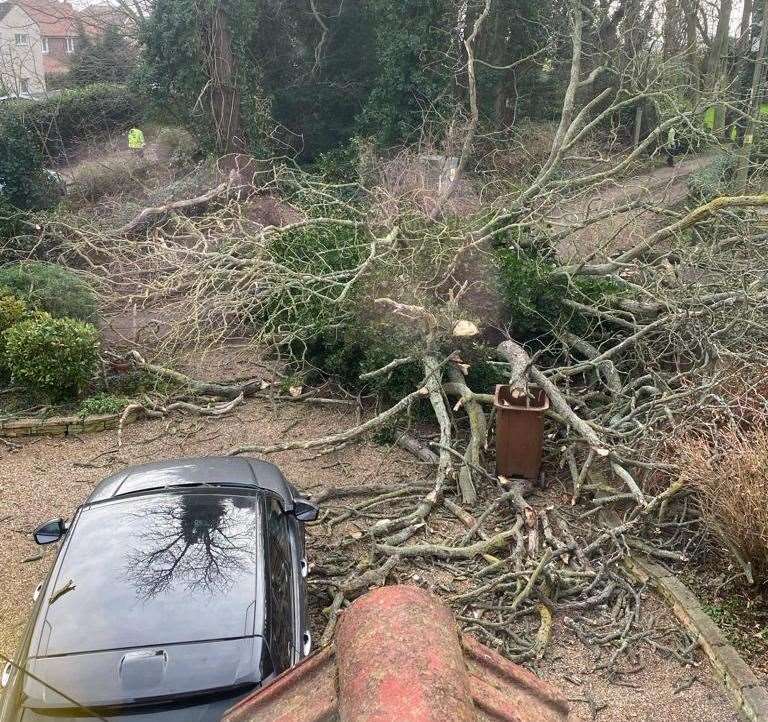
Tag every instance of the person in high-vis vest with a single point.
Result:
(136, 141)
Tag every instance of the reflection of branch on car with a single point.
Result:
(194, 541)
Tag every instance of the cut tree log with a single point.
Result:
(519, 364)
(478, 433)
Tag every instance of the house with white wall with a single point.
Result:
(59, 29)
(21, 52)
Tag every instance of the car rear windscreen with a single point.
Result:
(160, 569)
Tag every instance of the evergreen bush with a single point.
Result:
(534, 293)
(55, 356)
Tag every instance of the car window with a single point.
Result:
(170, 568)
(280, 586)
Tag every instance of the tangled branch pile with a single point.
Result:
(644, 355)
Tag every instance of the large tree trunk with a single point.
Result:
(746, 23)
(690, 8)
(758, 77)
(671, 28)
(716, 70)
(225, 95)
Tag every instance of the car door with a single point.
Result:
(281, 597)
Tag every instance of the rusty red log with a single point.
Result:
(400, 658)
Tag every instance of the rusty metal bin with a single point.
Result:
(519, 432)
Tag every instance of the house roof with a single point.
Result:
(97, 18)
(5, 9)
(56, 19)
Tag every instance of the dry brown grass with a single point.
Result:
(730, 474)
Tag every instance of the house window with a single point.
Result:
(45, 46)
(24, 86)
(70, 45)
(22, 40)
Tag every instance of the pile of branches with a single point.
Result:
(652, 361)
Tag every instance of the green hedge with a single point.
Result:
(24, 184)
(72, 116)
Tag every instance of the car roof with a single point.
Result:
(229, 471)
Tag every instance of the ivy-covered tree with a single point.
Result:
(416, 58)
(198, 67)
(24, 183)
(317, 64)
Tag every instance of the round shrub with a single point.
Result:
(52, 288)
(56, 356)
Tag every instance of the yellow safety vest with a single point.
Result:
(135, 139)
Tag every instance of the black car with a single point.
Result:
(178, 588)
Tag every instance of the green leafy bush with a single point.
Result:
(103, 404)
(362, 347)
(713, 180)
(338, 165)
(306, 311)
(357, 349)
(24, 182)
(51, 288)
(56, 356)
(66, 120)
(535, 294)
(12, 310)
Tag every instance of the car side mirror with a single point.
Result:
(50, 532)
(305, 510)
